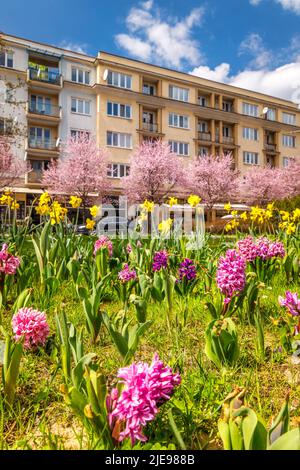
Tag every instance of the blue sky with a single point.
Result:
(249, 43)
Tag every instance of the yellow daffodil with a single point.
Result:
(147, 206)
(291, 228)
(45, 198)
(15, 205)
(244, 216)
(94, 211)
(90, 224)
(285, 216)
(75, 202)
(234, 213)
(165, 225)
(194, 200)
(296, 214)
(232, 225)
(227, 207)
(173, 201)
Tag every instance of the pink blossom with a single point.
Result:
(8, 263)
(248, 249)
(32, 325)
(231, 274)
(145, 388)
(262, 248)
(128, 249)
(126, 275)
(103, 242)
(291, 302)
(11, 167)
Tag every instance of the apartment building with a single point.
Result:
(48, 94)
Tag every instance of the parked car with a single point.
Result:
(112, 226)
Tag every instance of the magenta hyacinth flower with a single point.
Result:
(32, 325)
(248, 249)
(268, 249)
(8, 263)
(160, 260)
(145, 388)
(187, 270)
(103, 242)
(291, 302)
(231, 274)
(128, 249)
(126, 275)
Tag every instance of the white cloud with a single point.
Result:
(292, 5)
(283, 81)
(167, 41)
(253, 45)
(72, 46)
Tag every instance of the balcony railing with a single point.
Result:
(204, 136)
(149, 127)
(45, 110)
(34, 176)
(45, 76)
(42, 143)
(228, 140)
(270, 147)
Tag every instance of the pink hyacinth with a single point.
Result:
(8, 263)
(145, 388)
(32, 325)
(231, 274)
(126, 275)
(291, 302)
(103, 242)
(128, 249)
(248, 249)
(262, 248)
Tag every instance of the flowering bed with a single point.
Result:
(145, 344)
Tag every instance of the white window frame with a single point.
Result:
(201, 153)
(176, 147)
(176, 119)
(8, 55)
(149, 85)
(85, 73)
(178, 93)
(287, 139)
(286, 161)
(116, 79)
(202, 99)
(85, 101)
(79, 131)
(289, 118)
(114, 170)
(251, 158)
(119, 137)
(271, 114)
(251, 133)
(250, 109)
(118, 105)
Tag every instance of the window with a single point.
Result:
(117, 170)
(227, 106)
(180, 148)
(203, 152)
(6, 58)
(80, 106)
(288, 118)
(149, 89)
(119, 110)
(227, 131)
(41, 105)
(80, 76)
(250, 158)
(176, 120)
(289, 141)
(39, 165)
(250, 109)
(40, 137)
(76, 133)
(6, 126)
(117, 139)
(202, 126)
(287, 161)
(180, 94)
(202, 101)
(250, 134)
(271, 114)
(119, 79)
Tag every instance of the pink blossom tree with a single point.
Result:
(155, 171)
(262, 185)
(11, 167)
(81, 171)
(213, 179)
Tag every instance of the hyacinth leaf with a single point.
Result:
(281, 423)
(44, 237)
(39, 258)
(77, 400)
(260, 437)
(236, 436)
(176, 431)
(249, 424)
(76, 343)
(288, 441)
(78, 371)
(22, 300)
(212, 310)
(225, 434)
(12, 372)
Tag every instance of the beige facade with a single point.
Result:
(122, 102)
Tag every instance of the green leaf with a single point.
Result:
(288, 441)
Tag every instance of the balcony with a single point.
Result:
(34, 176)
(45, 110)
(44, 76)
(270, 147)
(149, 127)
(206, 136)
(43, 144)
(228, 140)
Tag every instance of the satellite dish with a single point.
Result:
(105, 75)
(265, 110)
(57, 142)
